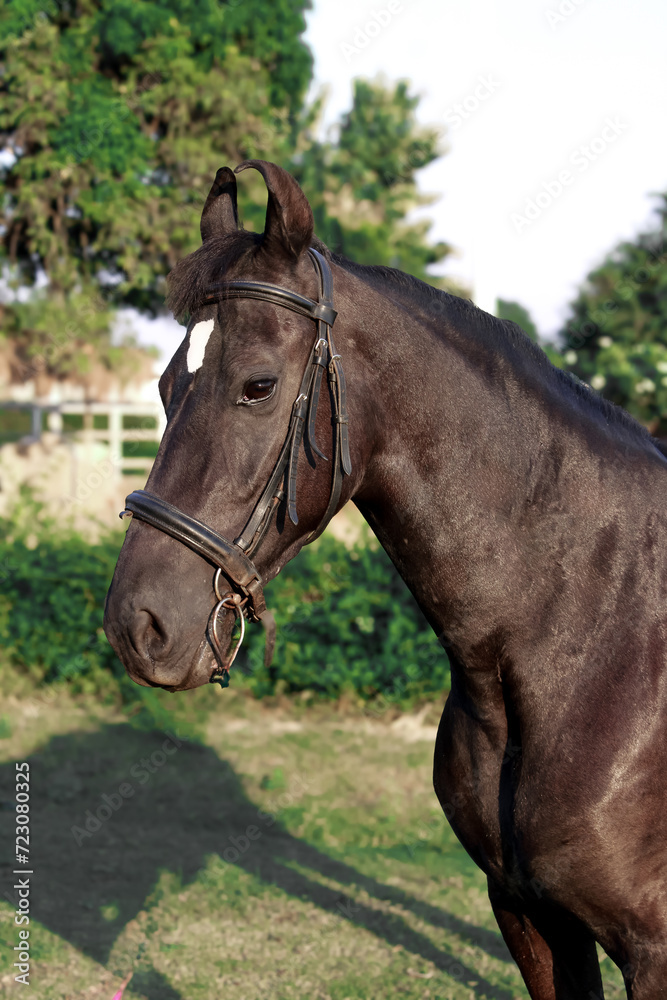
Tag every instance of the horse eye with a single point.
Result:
(258, 390)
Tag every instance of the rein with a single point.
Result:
(233, 558)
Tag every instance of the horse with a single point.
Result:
(525, 513)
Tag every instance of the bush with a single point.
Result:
(346, 621)
(52, 588)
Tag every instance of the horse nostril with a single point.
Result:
(149, 637)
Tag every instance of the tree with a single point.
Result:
(616, 336)
(362, 185)
(116, 115)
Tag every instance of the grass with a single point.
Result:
(281, 852)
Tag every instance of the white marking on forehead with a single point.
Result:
(199, 335)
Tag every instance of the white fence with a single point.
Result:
(81, 458)
(104, 431)
(86, 471)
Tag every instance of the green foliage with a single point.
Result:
(64, 338)
(363, 185)
(616, 336)
(52, 587)
(346, 620)
(118, 114)
(14, 424)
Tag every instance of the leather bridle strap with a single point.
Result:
(275, 294)
(323, 355)
(204, 541)
(341, 463)
(258, 522)
(233, 558)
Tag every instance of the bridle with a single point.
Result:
(232, 559)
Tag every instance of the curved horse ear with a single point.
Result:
(289, 218)
(220, 214)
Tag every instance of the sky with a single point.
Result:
(521, 93)
(552, 116)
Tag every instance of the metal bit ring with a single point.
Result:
(231, 601)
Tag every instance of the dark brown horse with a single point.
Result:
(526, 514)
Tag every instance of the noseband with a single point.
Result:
(233, 559)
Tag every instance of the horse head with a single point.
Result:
(244, 418)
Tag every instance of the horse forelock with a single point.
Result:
(208, 264)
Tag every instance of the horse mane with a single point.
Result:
(494, 329)
(211, 261)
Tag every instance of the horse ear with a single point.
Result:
(289, 218)
(220, 215)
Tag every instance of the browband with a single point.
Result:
(274, 294)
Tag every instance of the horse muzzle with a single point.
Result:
(154, 634)
(152, 655)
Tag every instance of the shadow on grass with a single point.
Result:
(191, 806)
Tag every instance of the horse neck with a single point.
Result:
(478, 473)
